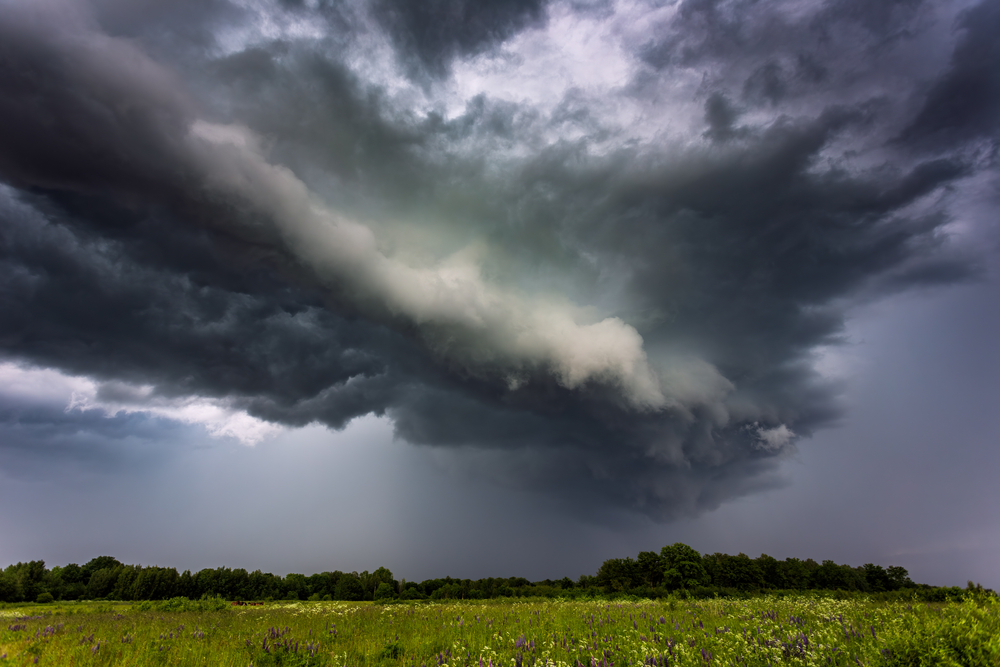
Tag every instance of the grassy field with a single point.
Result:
(761, 631)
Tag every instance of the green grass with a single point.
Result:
(761, 631)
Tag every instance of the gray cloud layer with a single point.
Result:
(620, 289)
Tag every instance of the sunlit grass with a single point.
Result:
(761, 631)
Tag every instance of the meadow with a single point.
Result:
(510, 633)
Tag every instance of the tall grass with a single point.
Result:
(761, 631)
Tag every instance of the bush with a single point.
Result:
(391, 652)
(384, 592)
(412, 594)
(183, 604)
(45, 598)
(959, 635)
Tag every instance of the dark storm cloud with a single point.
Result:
(435, 32)
(159, 302)
(338, 125)
(134, 249)
(34, 439)
(965, 102)
(766, 54)
(183, 23)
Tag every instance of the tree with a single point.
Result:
(385, 591)
(618, 574)
(9, 590)
(127, 575)
(261, 585)
(102, 582)
(29, 577)
(155, 583)
(297, 584)
(95, 564)
(734, 571)
(67, 583)
(650, 567)
(381, 576)
(831, 576)
(349, 588)
(898, 577)
(795, 573)
(770, 569)
(186, 585)
(322, 583)
(876, 578)
(71, 574)
(239, 584)
(683, 567)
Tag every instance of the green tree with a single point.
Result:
(770, 569)
(155, 583)
(297, 584)
(102, 582)
(650, 567)
(795, 573)
(683, 567)
(898, 577)
(738, 571)
(876, 578)
(831, 576)
(29, 578)
(618, 574)
(186, 585)
(381, 576)
(95, 564)
(263, 585)
(127, 574)
(321, 583)
(10, 591)
(239, 585)
(71, 574)
(349, 588)
(67, 583)
(385, 591)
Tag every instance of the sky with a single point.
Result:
(499, 288)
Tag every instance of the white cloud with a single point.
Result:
(592, 56)
(39, 385)
(773, 439)
(24, 384)
(267, 22)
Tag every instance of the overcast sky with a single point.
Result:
(499, 288)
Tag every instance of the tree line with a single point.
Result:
(676, 570)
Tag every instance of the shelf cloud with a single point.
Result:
(599, 242)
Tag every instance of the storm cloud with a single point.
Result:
(599, 244)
